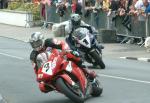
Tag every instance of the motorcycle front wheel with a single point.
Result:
(74, 94)
(96, 89)
(98, 59)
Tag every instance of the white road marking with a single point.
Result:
(12, 56)
(122, 78)
(135, 58)
(123, 57)
(0, 97)
(143, 59)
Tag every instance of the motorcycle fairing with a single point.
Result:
(85, 41)
(76, 71)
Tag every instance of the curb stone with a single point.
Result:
(135, 58)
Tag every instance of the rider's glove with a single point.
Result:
(75, 53)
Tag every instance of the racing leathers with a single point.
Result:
(57, 44)
(69, 29)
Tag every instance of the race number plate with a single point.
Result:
(49, 66)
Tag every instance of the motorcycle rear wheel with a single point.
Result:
(65, 89)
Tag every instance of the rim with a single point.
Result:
(76, 89)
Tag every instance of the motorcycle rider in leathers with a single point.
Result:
(39, 45)
(72, 24)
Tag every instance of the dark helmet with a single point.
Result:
(51, 42)
(75, 20)
(36, 41)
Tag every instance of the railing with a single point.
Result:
(139, 25)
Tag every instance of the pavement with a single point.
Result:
(127, 51)
(111, 50)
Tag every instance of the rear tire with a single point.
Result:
(68, 92)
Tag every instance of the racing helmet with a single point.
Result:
(36, 41)
(75, 20)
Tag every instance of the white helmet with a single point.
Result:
(37, 41)
(76, 20)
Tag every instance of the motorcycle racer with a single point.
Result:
(40, 45)
(71, 25)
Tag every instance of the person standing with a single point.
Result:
(76, 7)
(3, 4)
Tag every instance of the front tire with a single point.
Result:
(98, 59)
(65, 89)
(96, 89)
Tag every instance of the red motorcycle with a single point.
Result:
(67, 78)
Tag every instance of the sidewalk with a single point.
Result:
(21, 33)
(111, 49)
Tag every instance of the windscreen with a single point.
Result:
(81, 33)
(41, 59)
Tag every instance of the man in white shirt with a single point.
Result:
(139, 5)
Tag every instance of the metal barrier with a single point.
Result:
(147, 25)
(139, 26)
(97, 20)
(52, 17)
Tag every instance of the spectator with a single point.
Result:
(114, 5)
(132, 9)
(80, 2)
(76, 7)
(106, 5)
(0, 4)
(122, 7)
(43, 4)
(98, 5)
(96, 10)
(113, 8)
(126, 17)
(62, 6)
(147, 5)
(3, 4)
(142, 7)
(43, 10)
(112, 14)
(88, 8)
(139, 4)
(36, 2)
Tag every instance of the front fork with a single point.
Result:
(99, 46)
(91, 57)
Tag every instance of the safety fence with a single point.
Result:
(140, 25)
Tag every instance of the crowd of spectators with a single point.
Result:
(114, 8)
(124, 9)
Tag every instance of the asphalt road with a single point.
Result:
(124, 81)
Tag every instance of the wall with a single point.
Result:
(17, 18)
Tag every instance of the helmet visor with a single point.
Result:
(36, 44)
